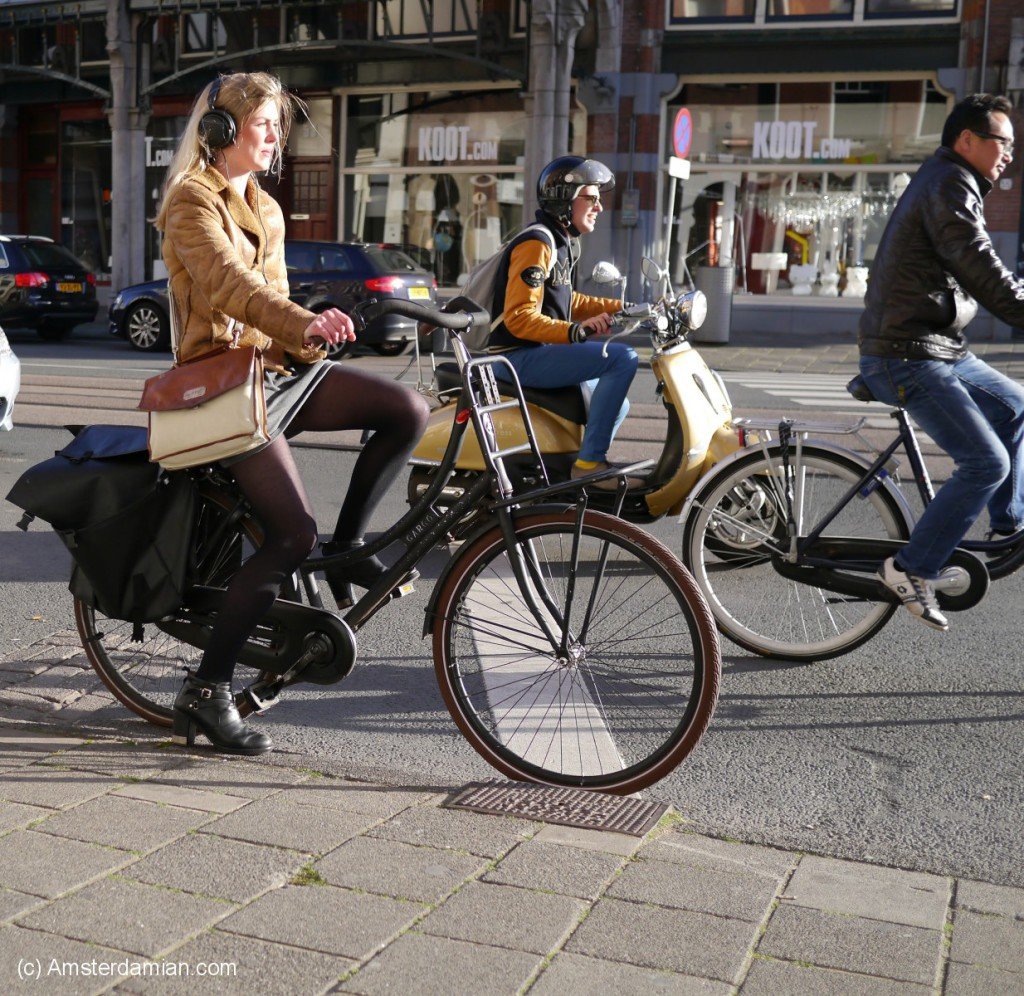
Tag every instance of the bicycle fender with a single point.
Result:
(831, 449)
(430, 612)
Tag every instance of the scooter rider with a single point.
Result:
(546, 327)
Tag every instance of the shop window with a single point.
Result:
(802, 175)
(312, 130)
(908, 8)
(809, 8)
(308, 23)
(717, 10)
(437, 173)
(92, 37)
(414, 19)
(85, 192)
(202, 33)
(164, 40)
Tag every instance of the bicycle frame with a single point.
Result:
(423, 525)
(906, 439)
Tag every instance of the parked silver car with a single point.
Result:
(10, 381)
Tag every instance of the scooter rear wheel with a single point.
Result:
(142, 664)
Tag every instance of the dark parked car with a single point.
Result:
(44, 287)
(321, 275)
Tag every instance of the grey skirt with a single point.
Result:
(285, 397)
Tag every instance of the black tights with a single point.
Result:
(344, 399)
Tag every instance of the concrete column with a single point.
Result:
(554, 25)
(624, 101)
(128, 151)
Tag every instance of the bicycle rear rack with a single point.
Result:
(485, 398)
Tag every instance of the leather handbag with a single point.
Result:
(207, 409)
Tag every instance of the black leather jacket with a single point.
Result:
(934, 263)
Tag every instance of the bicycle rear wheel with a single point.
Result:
(143, 665)
(736, 527)
(637, 688)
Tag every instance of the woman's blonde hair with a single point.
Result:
(241, 95)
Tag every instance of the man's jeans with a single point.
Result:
(582, 363)
(976, 415)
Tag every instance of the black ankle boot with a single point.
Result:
(209, 706)
(364, 573)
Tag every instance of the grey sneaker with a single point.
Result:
(916, 594)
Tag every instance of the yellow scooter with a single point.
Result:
(699, 430)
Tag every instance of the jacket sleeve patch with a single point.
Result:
(533, 276)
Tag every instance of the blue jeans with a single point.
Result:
(582, 363)
(976, 415)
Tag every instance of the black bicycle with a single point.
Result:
(785, 538)
(571, 648)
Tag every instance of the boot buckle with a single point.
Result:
(206, 693)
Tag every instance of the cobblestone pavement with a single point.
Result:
(137, 867)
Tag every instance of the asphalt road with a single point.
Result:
(906, 752)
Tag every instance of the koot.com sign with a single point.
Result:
(452, 143)
(795, 140)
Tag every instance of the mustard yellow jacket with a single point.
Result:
(225, 260)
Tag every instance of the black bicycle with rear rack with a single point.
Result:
(785, 538)
(571, 648)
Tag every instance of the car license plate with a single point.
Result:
(69, 288)
(419, 293)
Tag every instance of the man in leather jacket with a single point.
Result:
(934, 262)
(544, 327)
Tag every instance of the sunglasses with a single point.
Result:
(593, 199)
(1006, 144)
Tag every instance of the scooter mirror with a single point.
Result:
(651, 271)
(692, 308)
(605, 273)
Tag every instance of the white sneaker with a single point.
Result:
(916, 594)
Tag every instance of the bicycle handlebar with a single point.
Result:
(456, 321)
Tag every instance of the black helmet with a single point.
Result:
(563, 178)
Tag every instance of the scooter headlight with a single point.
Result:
(692, 308)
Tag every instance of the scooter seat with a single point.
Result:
(566, 402)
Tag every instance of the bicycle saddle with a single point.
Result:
(858, 387)
(565, 401)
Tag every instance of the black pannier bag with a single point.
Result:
(126, 523)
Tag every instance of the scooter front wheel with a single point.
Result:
(636, 687)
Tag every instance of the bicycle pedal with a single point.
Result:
(259, 701)
(403, 589)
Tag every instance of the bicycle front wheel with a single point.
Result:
(736, 533)
(636, 685)
(144, 664)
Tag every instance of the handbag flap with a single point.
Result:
(198, 380)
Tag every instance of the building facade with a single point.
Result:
(802, 121)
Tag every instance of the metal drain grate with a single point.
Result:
(569, 807)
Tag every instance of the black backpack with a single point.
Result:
(126, 523)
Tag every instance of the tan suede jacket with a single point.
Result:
(225, 260)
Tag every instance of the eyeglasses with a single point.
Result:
(594, 199)
(1006, 144)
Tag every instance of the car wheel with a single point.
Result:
(54, 331)
(340, 350)
(390, 348)
(146, 327)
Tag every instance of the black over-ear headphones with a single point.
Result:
(217, 128)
